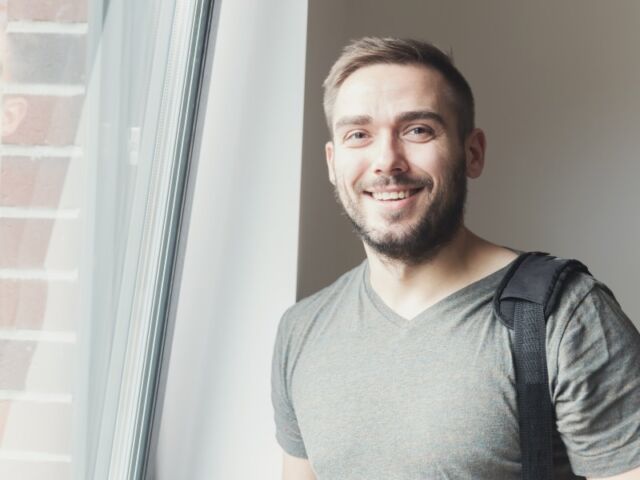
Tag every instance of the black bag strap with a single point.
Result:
(523, 301)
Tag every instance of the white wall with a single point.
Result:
(557, 87)
(239, 270)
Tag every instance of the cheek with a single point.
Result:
(436, 161)
(349, 174)
(429, 157)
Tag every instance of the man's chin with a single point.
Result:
(396, 237)
(391, 232)
(411, 244)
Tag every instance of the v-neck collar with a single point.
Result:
(488, 281)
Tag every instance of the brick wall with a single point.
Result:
(42, 49)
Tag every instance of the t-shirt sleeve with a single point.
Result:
(597, 394)
(287, 430)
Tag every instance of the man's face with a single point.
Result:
(396, 161)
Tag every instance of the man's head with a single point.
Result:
(403, 144)
(395, 51)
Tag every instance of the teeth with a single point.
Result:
(391, 195)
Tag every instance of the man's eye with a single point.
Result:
(420, 131)
(356, 136)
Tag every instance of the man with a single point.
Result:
(400, 369)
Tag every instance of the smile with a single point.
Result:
(395, 195)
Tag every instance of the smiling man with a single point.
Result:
(400, 369)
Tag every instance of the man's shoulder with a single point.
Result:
(576, 287)
(572, 286)
(585, 302)
(343, 285)
(308, 309)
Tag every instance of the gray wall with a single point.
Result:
(557, 87)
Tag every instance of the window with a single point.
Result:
(98, 101)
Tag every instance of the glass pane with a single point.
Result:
(89, 176)
(41, 212)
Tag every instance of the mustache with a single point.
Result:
(402, 180)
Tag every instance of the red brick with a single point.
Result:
(22, 303)
(48, 10)
(3, 50)
(36, 243)
(45, 58)
(24, 243)
(37, 366)
(15, 359)
(38, 304)
(26, 182)
(49, 121)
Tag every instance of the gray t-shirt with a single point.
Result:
(366, 394)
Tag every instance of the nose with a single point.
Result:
(389, 158)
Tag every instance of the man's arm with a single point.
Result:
(294, 468)
(597, 388)
(630, 475)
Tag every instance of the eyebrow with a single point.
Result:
(403, 118)
(421, 115)
(353, 120)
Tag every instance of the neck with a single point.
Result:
(411, 288)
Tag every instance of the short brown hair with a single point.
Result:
(375, 50)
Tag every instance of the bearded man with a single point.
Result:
(400, 368)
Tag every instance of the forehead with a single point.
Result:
(388, 89)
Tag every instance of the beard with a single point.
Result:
(436, 227)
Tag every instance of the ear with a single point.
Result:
(329, 153)
(14, 109)
(474, 149)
